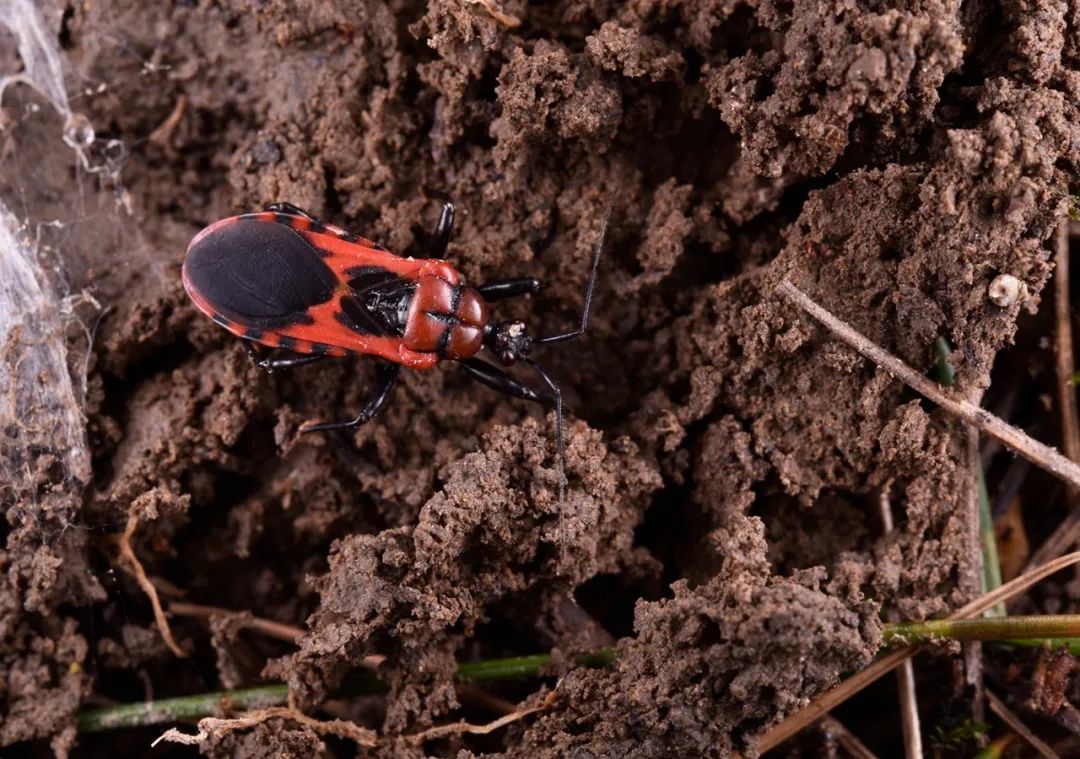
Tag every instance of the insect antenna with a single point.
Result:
(557, 392)
(588, 290)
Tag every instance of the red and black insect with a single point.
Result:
(309, 290)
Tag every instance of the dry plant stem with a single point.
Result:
(131, 564)
(1064, 537)
(997, 706)
(1067, 534)
(972, 580)
(267, 627)
(905, 676)
(833, 697)
(847, 739)
(1013, 438)
(1063, 343)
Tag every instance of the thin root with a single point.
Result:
(501, 17)
(211, 726)
(163, 134)
(130, 563)
(457, 728)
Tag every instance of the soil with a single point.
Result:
(726, 458)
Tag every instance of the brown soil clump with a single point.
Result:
(725, 457)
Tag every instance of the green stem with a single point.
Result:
(991, 562)
(1055, 630)
(986, 628)
(187, 708)
(180, 709)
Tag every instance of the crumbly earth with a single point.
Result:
(726, 458)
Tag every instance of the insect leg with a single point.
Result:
(588, 292)
(497, 379)
(271, 361)
(282, 207)
(385, 378)
(501, 289)
(443, 230)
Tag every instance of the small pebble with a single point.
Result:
(1004, 290)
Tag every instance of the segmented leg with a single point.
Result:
(562, 337)
(502, 289)
(272, 361)
(385, 377)
(443, 230)
(498, 379)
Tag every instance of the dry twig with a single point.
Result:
(905, 676)
(998, 707)
(130, 563)
(847, 739)
(1012, 437)
(267, 627)
(1063, 343)
(1067, 534)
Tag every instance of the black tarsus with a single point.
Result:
(498, 379)
(385, 377)
(501, 289)
(443, 230)
(283, 207)
(588, 291)
(270, 362)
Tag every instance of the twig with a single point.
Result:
(905, 675)
(972, 581)
(1063, 342)
(1012, 437)
(847, 739)
(998, 707)
(131, 564)
(1067, 534)
(267, 627)
(833, 697)
(1064, 537)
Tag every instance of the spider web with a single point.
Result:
(49, 152)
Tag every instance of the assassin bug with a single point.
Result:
(283, 279)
